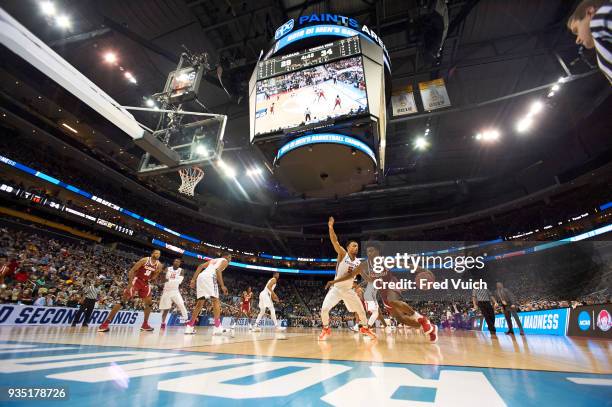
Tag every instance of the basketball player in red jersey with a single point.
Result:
(320, 95)
(139, 275)
(245, 306)
(393, 301)
(338, 102)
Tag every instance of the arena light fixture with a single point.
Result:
(72, 129)
(201, 150)
(150, 102)
(128, 75)
(421, 143)
(536, 107)
(555, 88)
(551, 94)
(254, 172)
(63, 22)
(488, 135)
(227, 170)
(524, 124)
(48, 8)
(110, 57)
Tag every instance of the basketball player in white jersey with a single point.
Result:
(206, 279)
(171, 293)
(340, 289)
(266, 298)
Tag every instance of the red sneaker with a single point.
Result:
(433, 336)
(104, 327)
(146, 327)
(325, 333)
(163, 326)
(425, 325)
(367, 332)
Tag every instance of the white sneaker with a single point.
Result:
(189, 330)
(355, 328)
(256, 328)
(218, 330)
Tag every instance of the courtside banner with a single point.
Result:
(592, 321)
(13, 314)
(546, 322)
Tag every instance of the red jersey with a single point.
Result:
(246, 299)
(146, 270)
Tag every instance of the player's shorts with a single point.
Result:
(169, 297)
(389, 295)
(206, 286)
(139, 288)
(265, 300)
(245, 307)
(348, 296)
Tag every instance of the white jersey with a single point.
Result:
(266, 290)
(344, 267)
(174, 278)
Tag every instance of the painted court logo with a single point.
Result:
(584, 321)
(603, 320)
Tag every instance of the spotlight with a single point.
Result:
(524, 124)
(253, 172)
(536, 107)
(201, 149)
(72, 129)
(130, 77)
(561, 79)
(63, 22)
(488, 135)
(555, 88)
(48, 8)
(150, 102)
(227, 170)
(421, 143)
(110, 57)
(550, 94)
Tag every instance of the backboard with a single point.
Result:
(194, 144)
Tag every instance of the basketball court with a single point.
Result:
(128, 367)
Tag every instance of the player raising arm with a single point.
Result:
(340, 289)
(206, 279)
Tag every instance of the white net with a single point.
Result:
(190, 177)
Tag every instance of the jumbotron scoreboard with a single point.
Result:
(317, 105)
(314, 56)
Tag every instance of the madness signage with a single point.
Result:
(548, 322)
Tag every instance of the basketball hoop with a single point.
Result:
(190, 176)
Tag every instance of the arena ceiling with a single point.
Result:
(492, 49)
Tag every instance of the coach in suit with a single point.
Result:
(508, 302)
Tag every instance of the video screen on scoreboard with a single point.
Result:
(313, 95)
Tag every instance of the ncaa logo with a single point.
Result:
(283, 29)
(584, 321)
(603, 320)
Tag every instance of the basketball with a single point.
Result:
(424, 277)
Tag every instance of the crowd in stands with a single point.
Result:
(44, 268)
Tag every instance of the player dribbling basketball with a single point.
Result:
(139, 275)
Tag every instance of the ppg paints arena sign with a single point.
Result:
(324, 24)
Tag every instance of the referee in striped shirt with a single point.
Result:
(591, 23)
(88, 302)
(481, 298)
